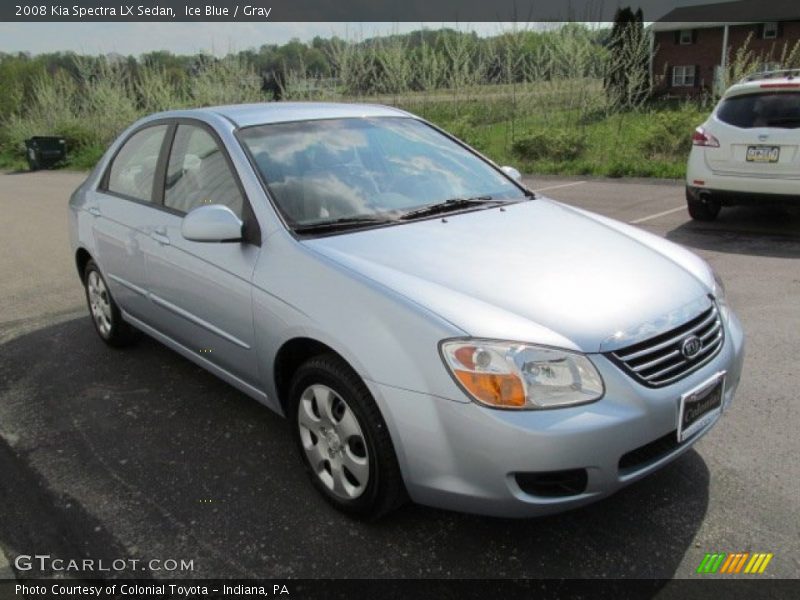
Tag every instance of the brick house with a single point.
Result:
(690, 45)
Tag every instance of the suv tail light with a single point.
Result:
(701, 137)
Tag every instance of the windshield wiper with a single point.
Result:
(448, 205)
(344, 222)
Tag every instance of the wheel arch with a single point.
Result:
(82, 258)
(291, 355)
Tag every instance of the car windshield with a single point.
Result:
(366, 170)
(774, 109)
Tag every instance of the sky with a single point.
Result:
(222, 38)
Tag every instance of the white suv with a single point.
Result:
(748, 150)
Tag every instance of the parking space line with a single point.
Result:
(561, 185)
(657, 215)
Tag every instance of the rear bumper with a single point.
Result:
(733, 198)
(733, 189)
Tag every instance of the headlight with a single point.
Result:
(521, 376)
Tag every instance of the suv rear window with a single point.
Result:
(776, 109)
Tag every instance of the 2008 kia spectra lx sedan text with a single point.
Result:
(430, 327)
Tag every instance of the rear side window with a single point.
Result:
(198, 173)
(776, 109)
(134, 167)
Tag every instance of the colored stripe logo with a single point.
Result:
(735, 563)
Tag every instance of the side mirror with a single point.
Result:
(212, 223)
(512, 172)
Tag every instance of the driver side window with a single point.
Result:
(198, 174)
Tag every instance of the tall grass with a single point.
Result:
(533, 98)
(91, 108)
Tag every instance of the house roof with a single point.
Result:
(723, 13)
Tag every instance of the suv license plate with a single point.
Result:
(763, 154)
(700, 407)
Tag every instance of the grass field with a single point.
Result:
(528, 98)
(566, 128)
(562, 125)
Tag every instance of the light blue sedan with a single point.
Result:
(431, 329)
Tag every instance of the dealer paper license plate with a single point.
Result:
(700, 406)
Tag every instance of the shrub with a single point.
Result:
(465, 131)
(556, 144)
(669, 133)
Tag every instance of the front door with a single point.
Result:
(201, 291)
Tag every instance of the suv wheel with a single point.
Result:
(104, 311)
(343, 439)
(701, 210)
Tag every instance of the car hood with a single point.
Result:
(535, 271)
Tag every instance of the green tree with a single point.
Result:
(626, 80)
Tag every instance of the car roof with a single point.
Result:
(245, 115)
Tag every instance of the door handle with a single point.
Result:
(161, 238)
(94, 211)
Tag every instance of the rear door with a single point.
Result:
(201, 292)
(759, 134)
(123, 207)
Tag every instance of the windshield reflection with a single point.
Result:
(327, 170)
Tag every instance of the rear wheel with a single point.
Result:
(343, 439)
(104, 311)
(702, 209)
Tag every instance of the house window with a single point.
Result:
(770, 31)
(683, 76)
(685, 37)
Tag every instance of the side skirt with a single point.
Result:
(227, 377)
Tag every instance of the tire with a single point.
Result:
(105, 313)
(702, 211)
(343, 440)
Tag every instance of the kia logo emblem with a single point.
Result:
(691, 346)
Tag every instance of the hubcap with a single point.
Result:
(333, 441)
(99, 303)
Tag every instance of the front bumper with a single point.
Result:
(466, 457)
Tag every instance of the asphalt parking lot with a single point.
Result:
(140, 454)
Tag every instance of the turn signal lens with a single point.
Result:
(514, 375)
(495, 390)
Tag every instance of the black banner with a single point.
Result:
(462, 11)
(400, 589)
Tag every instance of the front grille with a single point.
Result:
(660, 361)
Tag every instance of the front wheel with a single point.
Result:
(104, 311)
(343, 439)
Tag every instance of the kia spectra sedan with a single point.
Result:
(431, 329)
